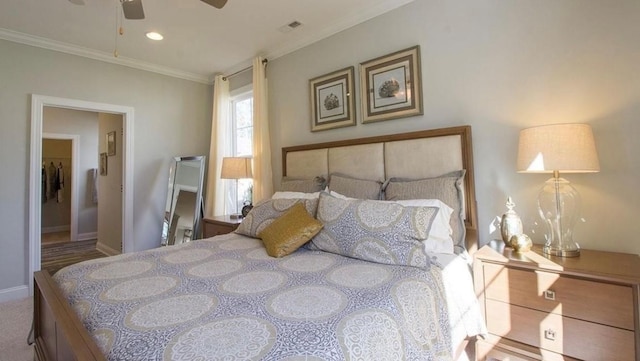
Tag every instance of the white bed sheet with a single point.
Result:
(465, 316)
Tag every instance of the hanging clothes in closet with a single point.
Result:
(45, 182)
(59, 183)
(51, 189)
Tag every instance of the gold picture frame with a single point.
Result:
(391, 86)
(333, 100)
(111, 143)
(104, 160)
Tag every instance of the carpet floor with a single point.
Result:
(16, 316)
(15, 323)
(58, 255)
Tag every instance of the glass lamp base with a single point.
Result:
(559, 206)
(552, 251)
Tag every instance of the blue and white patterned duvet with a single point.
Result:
(224, 298)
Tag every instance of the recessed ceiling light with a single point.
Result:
(154, 36)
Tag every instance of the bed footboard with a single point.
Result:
(59, 334)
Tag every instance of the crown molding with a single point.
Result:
(44, 43)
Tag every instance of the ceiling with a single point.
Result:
(199, 40)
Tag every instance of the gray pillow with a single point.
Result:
(381, 232)
(265, 212)
(355, 188)
(312, 185)
(447, 188)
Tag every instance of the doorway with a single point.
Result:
(38, 103)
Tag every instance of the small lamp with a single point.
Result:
(566, 148)
(236, 168)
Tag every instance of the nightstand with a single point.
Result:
(553, 308)
(219, 225)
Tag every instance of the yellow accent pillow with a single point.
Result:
(289, 231)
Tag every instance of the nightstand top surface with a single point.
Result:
(606, 265)
(226, 219)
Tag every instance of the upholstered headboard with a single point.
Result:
(415, 155)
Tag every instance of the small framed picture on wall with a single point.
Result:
(390, 86)
(332, 100)
(103, 163)
(111, 143)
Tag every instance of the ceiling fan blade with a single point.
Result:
(132, 9)
(218, 4)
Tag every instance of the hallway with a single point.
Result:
(56, 255)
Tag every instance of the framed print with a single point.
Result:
(390, 86)
(111, 143)
(332, 100)
(103, 163)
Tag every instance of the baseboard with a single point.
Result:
(87, 236)
(14, 293)
(54, 229)
(106, 249)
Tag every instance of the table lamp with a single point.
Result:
(558, 148)
(236, 168)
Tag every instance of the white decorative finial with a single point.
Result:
(510, 204)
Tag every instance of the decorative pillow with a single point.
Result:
(289, 195)
(440, 236)
(265, 212)
(355, 188)
(316, 184)
(382, 232)
(290, 231)
(447, 188)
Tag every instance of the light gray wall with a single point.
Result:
(500, 66)
(85, 125)
(241, 79)
(172, 117)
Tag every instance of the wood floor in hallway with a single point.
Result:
(57, 255)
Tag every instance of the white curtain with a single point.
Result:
(262, 174)
(214, 205)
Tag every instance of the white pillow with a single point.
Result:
(440, 238)
(291, 195)
(441, 235)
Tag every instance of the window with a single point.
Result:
(241, 145)
(242, 124)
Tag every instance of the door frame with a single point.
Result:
(38, 102)
(73, 185)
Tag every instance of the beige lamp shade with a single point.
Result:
(566, 148)
(236, 168)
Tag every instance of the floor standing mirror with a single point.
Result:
(184, 210)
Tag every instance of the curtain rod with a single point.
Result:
(264, 62)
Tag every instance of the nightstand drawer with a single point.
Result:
(565, 335)
(218, 225)
(594, 301)
(216, 230)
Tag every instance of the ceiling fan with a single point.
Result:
(133, 10)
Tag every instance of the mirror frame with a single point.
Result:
(171, 194)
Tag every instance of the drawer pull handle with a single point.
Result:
(550, 295)
(550, 334)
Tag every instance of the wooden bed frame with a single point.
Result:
(60, 335)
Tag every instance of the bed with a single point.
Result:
(226, 298)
